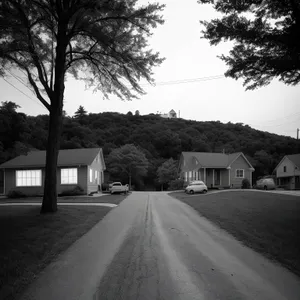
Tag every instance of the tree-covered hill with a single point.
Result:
(159, 138)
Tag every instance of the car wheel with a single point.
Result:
(204, 191)
(265, 187)
(192, 192)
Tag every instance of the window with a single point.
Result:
(239, 173)
(29, 178)
(68, 176)
(284, 169)
(91, 175)
(96, 177)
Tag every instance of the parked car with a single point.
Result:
(117, 187)
(196, 187)
(265, 184)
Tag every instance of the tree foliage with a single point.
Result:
(266, 39)
(167, 172)
(103, 43)
(127, 160)
(113, 130)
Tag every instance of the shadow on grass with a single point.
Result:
(30, 241)
(268, 223)
(107, 198)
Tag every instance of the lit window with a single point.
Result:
(239, 173)
(29, 178)
(96, 176)
(91, 175)
(68, 176)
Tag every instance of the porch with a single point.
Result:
(212, 177)
(289, 182)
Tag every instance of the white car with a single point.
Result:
(117, 187)
(196, 187)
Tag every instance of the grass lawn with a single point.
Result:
(30, 241)
(114, 199)
(268, 223)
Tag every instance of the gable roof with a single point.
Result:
(211, 160)
(69, 157)
(295, 159)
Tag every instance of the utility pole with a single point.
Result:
(297, 133)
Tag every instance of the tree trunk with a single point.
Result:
(55, 124)
(53, 145)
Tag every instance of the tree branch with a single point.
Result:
(38, 64)
(36, 89)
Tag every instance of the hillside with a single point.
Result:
(159, 138)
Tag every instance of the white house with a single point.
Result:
(288, 172)
(170, 115)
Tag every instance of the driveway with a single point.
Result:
(155, 247)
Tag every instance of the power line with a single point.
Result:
(18, 78)
(289, 122)
(23, 93)
(188, 80)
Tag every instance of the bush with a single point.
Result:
(245, 184)
(76, 191)
(176, 184)
(104, 187)
(16, 194)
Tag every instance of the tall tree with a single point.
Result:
(80, 114)
(167, 172)
(102, 42)
(266, 39)
(128, 160)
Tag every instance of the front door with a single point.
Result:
(217, 177)
(297, 183)
(1, 182)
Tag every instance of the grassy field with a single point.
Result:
(107, 198)
(30, 241)
(268, 223)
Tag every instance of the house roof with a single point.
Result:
(69, 157)
(295, 159)
(211, 160)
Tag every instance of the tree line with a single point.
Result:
(157, 138)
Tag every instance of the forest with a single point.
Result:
(158, 138)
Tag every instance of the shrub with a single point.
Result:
(176, 184)
(245, 183)
(77, 190)
(105, 187)
(16, 194)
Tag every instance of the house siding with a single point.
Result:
(290, 169)
(10, 181)
(11, 185)
(81, 179)
(239, 163)
(95, 184)
(224, 178)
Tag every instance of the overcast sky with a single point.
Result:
(274, 108)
